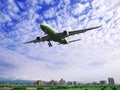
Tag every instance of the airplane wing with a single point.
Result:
(38, 39)
(82, 30)
(69, 33)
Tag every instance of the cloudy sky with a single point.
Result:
(96, 57)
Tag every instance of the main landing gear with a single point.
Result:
(49, 44)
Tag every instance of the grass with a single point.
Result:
(19, 88)
(68, 88)
(81, 88)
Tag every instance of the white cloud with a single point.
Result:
(79, 8)
(48, 1)
(45, 2)
(111, 5)
(49, 13)
(12, 9)
(4, 18)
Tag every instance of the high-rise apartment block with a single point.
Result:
(111, 81)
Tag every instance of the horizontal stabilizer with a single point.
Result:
(74, 40)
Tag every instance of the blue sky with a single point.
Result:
(96, 57)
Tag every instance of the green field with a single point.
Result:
(65, 88)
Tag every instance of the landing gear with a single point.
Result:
(49, 44)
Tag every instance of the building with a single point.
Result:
(52, 83)
(111, 81)
(62, 82)
(39, 83)
(74, 83)
(69, 83)
(103, 82)
(81, 84)
(94, 83)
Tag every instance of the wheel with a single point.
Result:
(49, 44)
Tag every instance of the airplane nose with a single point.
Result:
(41, 25)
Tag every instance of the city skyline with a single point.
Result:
(63, 82)
(96, 56)
(109, 81)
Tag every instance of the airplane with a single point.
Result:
(60, 37)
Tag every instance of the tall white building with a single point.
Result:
(62, 82)
(39, 83)
(103, 82)
(111, 81)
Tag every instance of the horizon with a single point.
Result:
(95, 57)
(4, 79)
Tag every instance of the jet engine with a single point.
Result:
(38, 38)
(66, 33)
